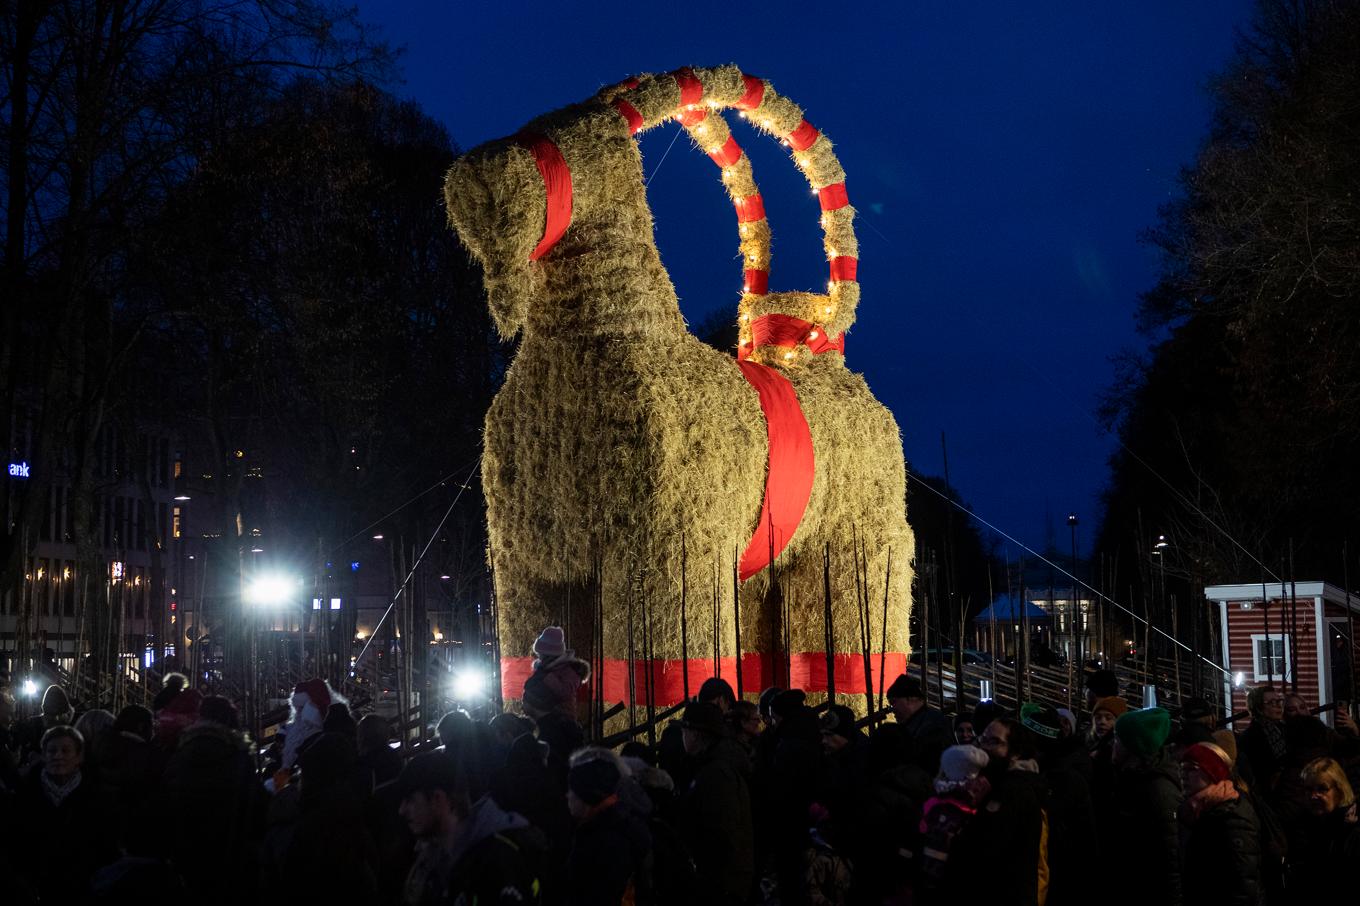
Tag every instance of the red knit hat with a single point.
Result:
(1210, 759)
(315, 689)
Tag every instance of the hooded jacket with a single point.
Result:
(497, 858)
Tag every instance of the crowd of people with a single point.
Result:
(738, 802)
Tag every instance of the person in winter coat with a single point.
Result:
(847, 759)
(67, 824)
(1326, 842)
(525, 785)
(1147, 802)
(180, 713)
(1002, 856)
(1100, 747)
(331, 856)
(885, 835)
(610, 860)
(930, 729)
(308, 706)
(209, 786)
(959, 789)
(1262, 745)
(1065, 768)
(378, 761)
(466, 853)
(715, 810)
(1222, 852)
(558, 672)
(55, 711)
(129, 772)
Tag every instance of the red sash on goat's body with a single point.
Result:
(788, 480)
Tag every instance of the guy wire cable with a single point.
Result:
(404, 582)
(923, 483)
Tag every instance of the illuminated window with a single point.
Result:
(175, 524)
(335, 603)
(316, 603)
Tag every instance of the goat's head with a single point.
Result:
(559, 212)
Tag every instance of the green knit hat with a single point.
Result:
(1144, 732)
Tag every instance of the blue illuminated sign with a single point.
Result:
(354, 566)
(18, 470)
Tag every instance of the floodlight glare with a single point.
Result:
(468, 684)
(30, 687)
(271, 589)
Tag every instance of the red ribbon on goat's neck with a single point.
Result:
(556, 187)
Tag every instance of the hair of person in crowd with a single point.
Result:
(56, 705)
(1324, 777)
(64, 731)
(374, 732)
(93, 723)
(593, 778)
(136, 720)
(220, 710)
(1259, 698)
(718, 691)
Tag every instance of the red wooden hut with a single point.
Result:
(1295, 634)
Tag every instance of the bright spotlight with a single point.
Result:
(30, 687)
(270, 590)
(468, 684)
(1239, 678)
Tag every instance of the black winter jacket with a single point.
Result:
(1222, 862)
(1146, 831)
(716, 822)
(611, 850)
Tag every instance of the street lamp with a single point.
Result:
(1078, 627)
(271, 589)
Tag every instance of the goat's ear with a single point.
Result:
(496, 202)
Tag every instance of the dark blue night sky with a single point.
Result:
(1004, 159)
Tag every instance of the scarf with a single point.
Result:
(57, 792)
(1207, 798)
(1274, 734)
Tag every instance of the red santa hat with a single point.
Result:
(316, 691)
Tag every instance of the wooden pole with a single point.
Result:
(828, 626)
(883, 652)
(736, 618)
(684, 618)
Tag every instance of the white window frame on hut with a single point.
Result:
(1268, 675)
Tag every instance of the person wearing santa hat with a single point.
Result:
(310, 701)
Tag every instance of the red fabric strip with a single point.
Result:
(792, 463)
(807, 671)
(556, 185)
(787, 331)
(843, 267)
(833, 197)
(629, 113)
(802, 138)
(728, 154)
(749, 209)
(757, 281)
(743, 351)
(690, 117)
(691, 89)
(755, 92)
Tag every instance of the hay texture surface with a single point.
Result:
(622, 451)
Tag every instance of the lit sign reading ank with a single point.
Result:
(18, 470)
